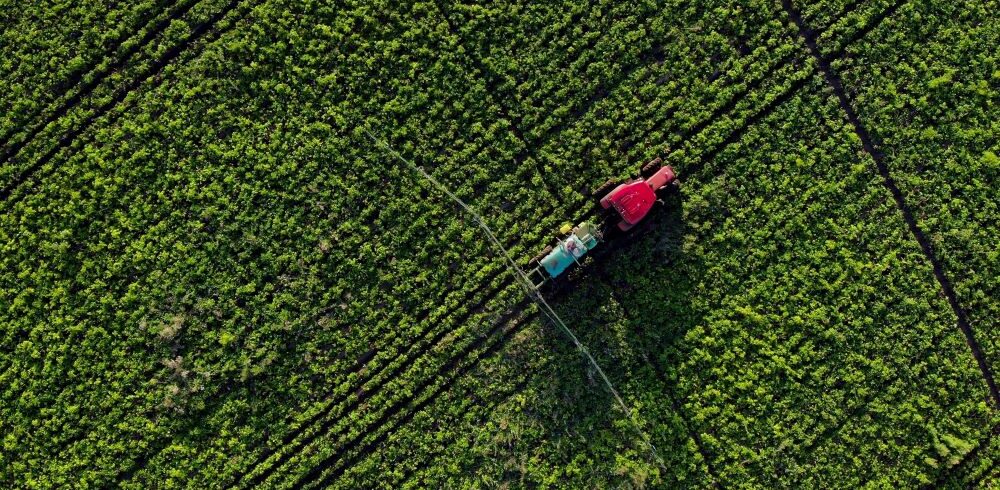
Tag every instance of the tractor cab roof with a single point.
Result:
(633, 201)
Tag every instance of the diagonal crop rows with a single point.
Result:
(833, 79)
(81, 85)
(23, 174)
(211, 278)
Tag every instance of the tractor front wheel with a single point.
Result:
(651, 167)
(603, 190)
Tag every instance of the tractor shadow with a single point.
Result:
(632, 308)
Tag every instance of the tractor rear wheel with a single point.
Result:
(541, 255)
(603, 189)
(651, 167)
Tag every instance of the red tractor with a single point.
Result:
(634, 198)
(627, 204)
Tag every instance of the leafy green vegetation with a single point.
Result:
(933, 107)
(210, 277)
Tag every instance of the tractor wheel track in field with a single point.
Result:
(75, 77)
(720, 111)
(785, 96)
(203, 31)
(677, 408)
(967, 459)
(98, 75)
(871, 147)
(753, 119)
(492, 87)
(605, 278)
(419, 348)
(731, 104)
(218, 399)
(503, 334)
(489, 408)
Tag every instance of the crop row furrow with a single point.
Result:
(368, 386)
(819, 16)
(81, 85)
(468, 401)
(335, 464)
(871, 147)
(48, 50)
(202, 32)
(395, 392)
(492, 87)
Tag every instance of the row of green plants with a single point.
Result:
(46, 50)
(931, 107)
(224, 282)
(140, 60)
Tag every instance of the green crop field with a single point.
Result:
(215, 273)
